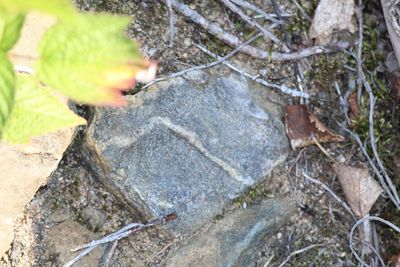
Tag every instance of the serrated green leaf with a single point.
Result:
(10, 29)
(7, 90)
(36, 112)
(61, 8)
(91, 59)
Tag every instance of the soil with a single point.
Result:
(72, 193)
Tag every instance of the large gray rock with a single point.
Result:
(233, 240)
(188, 146)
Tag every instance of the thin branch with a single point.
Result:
(110, 253)
(266, 264)
(356, 137)
(205, 66)
(80, 256)
(297, 70)
(262, 13)
(359, 15)
(303, 12)
(305, 249)
(267, 34)
(281, 88)
(326, 188)
(372, 137)
(233, 41)
(384, 179)
(361, 221)
(171, 24)
(157, 254)
(343, 102)
(323, 150)
(123, 232)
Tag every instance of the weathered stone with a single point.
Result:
(333, 22)
(66, 236)
(233, 240)
(188, 146)
(23, 169)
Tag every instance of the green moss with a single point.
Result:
(326, 70)
(297, 24)
(253, 195)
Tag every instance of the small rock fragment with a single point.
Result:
(391, 62)
(333, 21)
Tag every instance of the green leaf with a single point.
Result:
(10, 29)
(90, 59)
(60, 8)
(7, 89)
(36, 112)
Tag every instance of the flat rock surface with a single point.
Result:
(231, 241)
(187, 145)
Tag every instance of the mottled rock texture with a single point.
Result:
(189, 145)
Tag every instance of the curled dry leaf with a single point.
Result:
(333, 21)
(360, 189)
(302, 126)
(354, 109)
(394, 82)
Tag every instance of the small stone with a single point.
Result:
(391, 62)
(263, 72)
(187, 41)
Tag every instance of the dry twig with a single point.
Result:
(326, 188)
(110, 253)
(372, 138)
(303, 12)
(171, 23)
(361, 221)
(233, 41)
(123, 232)
(262, 13)
(255, 78)
(202, 67)
(383, 177)
(359, 15)
(305, 249)
(267, 34)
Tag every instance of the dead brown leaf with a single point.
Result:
(354, 109)
(395, 261)
(360, 189)
(302, 126)
(394, 81)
